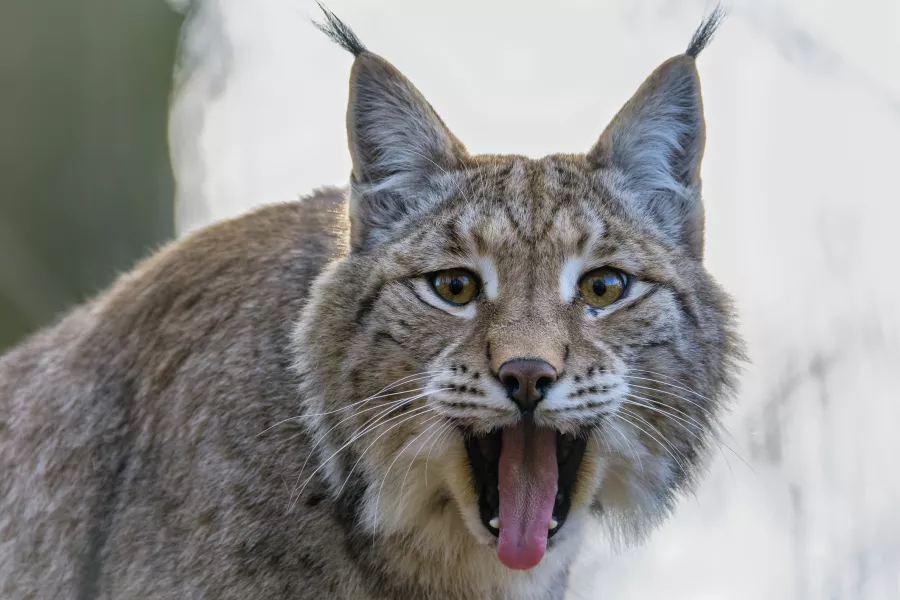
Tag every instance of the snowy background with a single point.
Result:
(803, 115)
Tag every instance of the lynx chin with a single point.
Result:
(424, 386)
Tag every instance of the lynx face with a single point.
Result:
(514, 343)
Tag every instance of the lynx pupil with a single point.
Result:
(602, 287)
(456, 286)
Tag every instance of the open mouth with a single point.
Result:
(525, 479)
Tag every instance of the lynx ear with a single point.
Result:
(655, 146)
(401, 149)
(399, 146)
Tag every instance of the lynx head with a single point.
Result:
(513, 344)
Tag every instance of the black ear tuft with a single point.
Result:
(704, 34)
(339, 32)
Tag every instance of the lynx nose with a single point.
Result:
(526, 381)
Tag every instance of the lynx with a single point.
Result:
(424, 387)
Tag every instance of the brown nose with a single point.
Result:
(526, 381)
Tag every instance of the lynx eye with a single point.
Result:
(456, 286)
(601, 287)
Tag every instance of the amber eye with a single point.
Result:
(601, 287)
(456, 286)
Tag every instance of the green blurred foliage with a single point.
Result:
(86, 186)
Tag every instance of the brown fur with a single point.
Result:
(200, 429)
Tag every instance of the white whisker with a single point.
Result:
(719, 443)
(678, 383)
(420, 411)
(391, 466)
(413, 413)
(680, 397)
(446, 428)
(681, 421)
(403, 380)
(677, 420)
(388, 408)
(433, 433)
(664, 445)
(628, 444)
(354, 438)
(691, 402)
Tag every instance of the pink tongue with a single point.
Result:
(527, 485)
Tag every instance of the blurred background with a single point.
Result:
(110, 145)
(85, 182)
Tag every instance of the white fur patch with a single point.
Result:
(490, 280)
(556, 397)
(569, 277)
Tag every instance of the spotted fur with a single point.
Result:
(274, 407)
